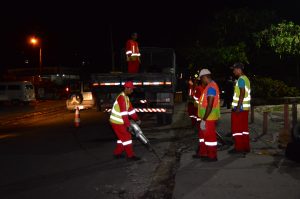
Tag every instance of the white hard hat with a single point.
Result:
(204, 72)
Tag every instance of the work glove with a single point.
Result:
(130, 129)
(138, 122)
(236, 109)
(202, 125)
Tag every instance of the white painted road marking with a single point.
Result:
(4, 136)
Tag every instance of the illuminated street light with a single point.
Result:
(36, 42)
(33, 41)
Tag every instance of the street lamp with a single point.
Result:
(36, 42)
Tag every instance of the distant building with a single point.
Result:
(54, 74)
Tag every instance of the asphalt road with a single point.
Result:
(45, 156)
(50, 158)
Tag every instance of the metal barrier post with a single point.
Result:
(265, 122)
(294, 115)
(286, 116)
(252, 115)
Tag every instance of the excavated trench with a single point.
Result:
(163, 179)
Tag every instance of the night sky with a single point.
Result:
(73, 32)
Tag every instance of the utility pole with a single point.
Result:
(112, 49)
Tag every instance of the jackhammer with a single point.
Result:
(138, 133)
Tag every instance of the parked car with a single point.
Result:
(80, 95)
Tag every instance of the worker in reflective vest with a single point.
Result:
(119, 119)
(197, 94)
(191, 101)
(209, 113)
(240, 111)
(133, 54)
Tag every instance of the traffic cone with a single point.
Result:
(77, 118)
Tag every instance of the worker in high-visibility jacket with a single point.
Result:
(119, 119)
(191, 100)
(133, 54)
(240, 111)
(209, 113)
(197, 94)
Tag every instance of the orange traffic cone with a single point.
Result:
(77, 118)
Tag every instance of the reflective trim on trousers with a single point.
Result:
(128, 52)
(201, 140)
(245, 133)
(127, 143)
(119, 142)
(211, 143)
(237, 134)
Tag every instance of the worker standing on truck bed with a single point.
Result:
(120, 123)
(133, 54)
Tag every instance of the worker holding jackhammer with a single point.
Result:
(119, 119)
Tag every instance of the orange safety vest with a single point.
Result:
(215, 113)
(132, 50)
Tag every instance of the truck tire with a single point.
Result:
(98, 106)
(15, 102)
(168, 118)
(296, 132)
(160, 119)
(164, 118)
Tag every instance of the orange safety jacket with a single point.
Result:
(215, 113)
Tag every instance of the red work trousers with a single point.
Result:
(124, 142)
(191, 113)
(133, 66)
(240, 131)
(197, 119)
(208, 140)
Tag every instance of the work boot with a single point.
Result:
(233, 151)
(119, 156)
(239, 154)
(207, 159)
(196, 156)
(134, 158)
(247, 151)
